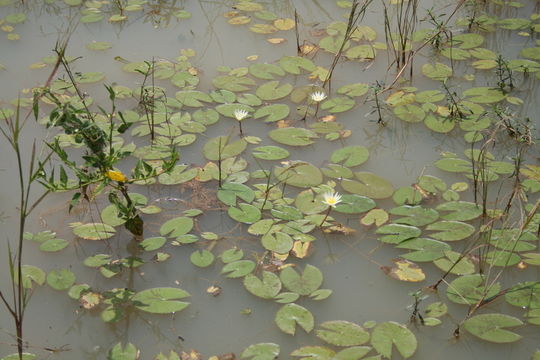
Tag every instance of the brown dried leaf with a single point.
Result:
(404, 270)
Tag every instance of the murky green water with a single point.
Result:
(206, 56)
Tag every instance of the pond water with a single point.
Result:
(425, 125)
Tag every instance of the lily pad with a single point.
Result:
(310, 280)
(525, 295)
(342, 333)
(273, 91)
(338, 104)
(300, 174)
(493, 327)
(261, 351)
(451, 230)
(265, 71)
(270, 153)
(350, 156)
(404, 270)
(452, 263)
(237, 269)
(293, 136)
(396, 233)
(289, 315)
(354, 204)
(219, 148)
(160, 300)
(414, 215)
(391, 333)
(244, 213)
(94, 231)
(273, 112)
(267, 287)
(437, 71)
(176, 227)
(469, 289)
(369, 185)
(425, 249)
(294, 64)
(278, 242)
(60, 279)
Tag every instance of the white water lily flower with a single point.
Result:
(240, 114)
(331, 199)
(318, 96)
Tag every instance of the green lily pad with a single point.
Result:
(153, 243)
(314, 353)
(484, 95)
(60, 279)
(99, 45)
(273, 91)
(391, 333)
(270, 152)
(229, 192)
(469, 289)
(493, 327)
(425, 249)
(350, 156)
(460, 210)
(451, 263)
(265, 71)
(53, 245)
(278, 242)
(354, 204)
(237, 269)
(293, 136)
(439, 124)
(273, 112)
(354, 90)
(410, 113)
(178, 175)
(294, 64)
(30, 274)
(176, 227)
(193, 98)
(437, 71)
(94, 231)
(451, 230)
(233, 83)
(414, 215)
(244, 213)
(525, 295)
(337, 171)
(369, 185)
(119, 352)
(286, 297)
(89, 77)
(396, 233)
(289, 315)
(431, 183)
(160, 300)
(342, 333)
(267, 287)
(261, 351)
(299, 174)
(202, 258)
(338, 104)
(15, 356)
(15, 18)
(286, 212)
(219, 148)
(310, 280)
(407, 195)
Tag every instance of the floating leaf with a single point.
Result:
(493, 327)
(278, 242)
(274, 112)
(396, 233)
(229, 192)
(289, 315)
(245, 213)
(60, 279)
(118, 352)
(29, 274)
(233, 83)
(451, 230)
(404, 270)
(342, 333)
(354, 90)
(272, 91)
(238, 268)
(410, 113)
(294, 64)
(261, 351)
(265, 71)
(414, 215)
(99, 45)
(375, 216)
(160, 300)
(391, 333)
(270, 152)
(425, 249)
(314, 353)
(350, 156)
(94, 231)
(469, 289)
(454, 265)
(338, 104)
(525, 295)
(176, 227)
(219, 148)
(310, 280)
(369, 185)
(437, 71)
(299, 174)
(267, 288)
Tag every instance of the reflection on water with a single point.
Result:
(57, 327)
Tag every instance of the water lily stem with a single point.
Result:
(326, 216)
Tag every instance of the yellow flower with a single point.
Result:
(332, 199)
(116, 175)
